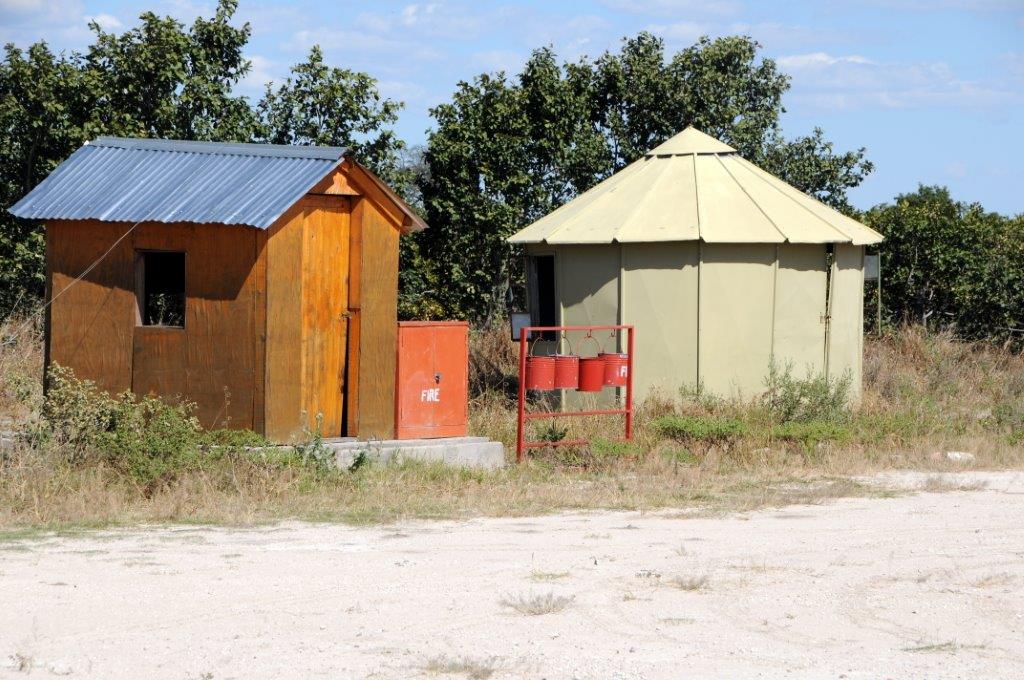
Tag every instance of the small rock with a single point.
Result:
(59, 668)
(959, 456)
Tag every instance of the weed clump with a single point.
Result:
(708, 430)
(143, 438)
(815, 398)
(811, 433)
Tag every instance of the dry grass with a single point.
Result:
(533, 604)
(951, 647)
(690, 583)
(543, 576)
(923, 393)
(21, 368)
(476, 669)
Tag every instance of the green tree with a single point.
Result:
(160, 79)
(42, 97)
(950, 264)
(163, 79)
(504, 152)
(327, 106)
(156, 80)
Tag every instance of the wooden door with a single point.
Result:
(325, 311)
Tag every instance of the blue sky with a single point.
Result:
(933, 88)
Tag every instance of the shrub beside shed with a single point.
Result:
(258, 281)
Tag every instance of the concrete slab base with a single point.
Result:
(473, 452)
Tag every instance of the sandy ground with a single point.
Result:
(921, 585)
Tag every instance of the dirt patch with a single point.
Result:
(924, 584)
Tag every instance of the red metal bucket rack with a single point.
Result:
(521, 443)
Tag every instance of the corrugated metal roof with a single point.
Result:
(695, 187)
(154, 180)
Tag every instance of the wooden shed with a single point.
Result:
(258, 281)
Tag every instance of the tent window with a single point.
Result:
(160, 288)
(543, 303)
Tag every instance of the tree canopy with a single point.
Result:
(507, 150)
(950, 264)
(163, 79)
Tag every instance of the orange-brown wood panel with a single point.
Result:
(325, 274)
(336, 183)
(283, 382)
(219, 358)
(355, 261)
(259, 301)
(377, 324)
(91, 321)
(161, 358)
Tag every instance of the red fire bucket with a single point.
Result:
(540, 373)
(591, 374)
(567, 371)
(616, 368)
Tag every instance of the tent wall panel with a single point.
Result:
(846, 337)
(736, 303)
(800, 286)
(659, 297)
(587, 279)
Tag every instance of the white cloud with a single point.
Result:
(955, 169)
(509, 61)
(776, 35)
(1014, 63)
(827, 81)
(21, 5)
(430, 19)
(818, 60)
(681, 31)
(107, 22)
(672, 7)
(263, 71)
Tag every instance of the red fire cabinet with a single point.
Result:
(432, 394)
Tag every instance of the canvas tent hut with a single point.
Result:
(258, 281)
(722, 267)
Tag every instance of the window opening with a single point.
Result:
(160, 288)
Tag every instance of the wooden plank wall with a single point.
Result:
(267, 316)
(283, 384)
(218, 359)
(94, 325)
(307, 270)
(378, 323)
(325, 274)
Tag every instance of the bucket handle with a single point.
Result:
(534, 344)
(612, 335)
(568, 344)
(590, 336)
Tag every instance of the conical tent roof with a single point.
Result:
(694, 187)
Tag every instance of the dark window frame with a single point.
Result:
(145, 306)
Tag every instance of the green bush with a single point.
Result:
(810, 433)
(233, 439)
(683, 457)
(150, 441)
(605, 449)
(708, 430)
(817, 397)
(145, 439)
